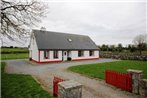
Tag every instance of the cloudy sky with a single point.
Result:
(105, 21)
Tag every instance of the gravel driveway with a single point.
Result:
(44, 73)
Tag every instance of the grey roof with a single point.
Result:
(63, 41)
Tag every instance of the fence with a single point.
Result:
(120, 80)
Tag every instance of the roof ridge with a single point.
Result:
(60, 32)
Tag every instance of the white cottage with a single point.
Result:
(48, 46)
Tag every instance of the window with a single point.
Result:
(55, 54)
(70, 40)
(80, 53)
(46, 54)
(91, 53)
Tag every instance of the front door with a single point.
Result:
(64, 55)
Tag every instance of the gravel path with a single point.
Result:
(44, 73)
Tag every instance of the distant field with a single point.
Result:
(20, 86)
(14, 53)
(14, 56)
(98, 70)
(14, 50)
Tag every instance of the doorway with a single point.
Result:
(64, 55)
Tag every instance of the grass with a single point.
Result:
(20, 86)
(14, 56)
(14, 50)
(98, 70)
(14, 53)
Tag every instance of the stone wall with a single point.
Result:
(124, 57)
(70, 89)
(143, 88)
(139, 85)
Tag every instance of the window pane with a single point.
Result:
(91, 53)
(55, 54)
(80, 53)
(46, 54)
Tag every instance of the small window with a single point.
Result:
(46, 54)
(64, 53)
(55, 54)
(91, 53)
(70, 40)
(80, 53)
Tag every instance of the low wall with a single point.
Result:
(125, 57)
(139, 85)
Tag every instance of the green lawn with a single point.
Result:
(14, 53)
(14, 56)
(20, 86)
(14, 50)
(98, 70)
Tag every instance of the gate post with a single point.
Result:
(70, 89)
(56, 80)
(137, 75)
(143, 88)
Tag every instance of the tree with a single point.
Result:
(19, 16)
(112, 48)
(104, 47)
(141, 42)
(119, 47)
(131, 48)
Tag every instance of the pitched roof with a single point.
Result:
(63, 41)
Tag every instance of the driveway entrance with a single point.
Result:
(44, 73)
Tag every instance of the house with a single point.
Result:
(48, 46)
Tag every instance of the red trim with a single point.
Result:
(56, 61)
(42, 62)
(84, 59)
(34, 61)
(39, 55)
(49, 62)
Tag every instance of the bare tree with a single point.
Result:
(18, 16)
(141, 42)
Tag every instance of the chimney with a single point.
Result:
(43, 29)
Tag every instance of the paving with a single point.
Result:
(44, 73)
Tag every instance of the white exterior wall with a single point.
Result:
(74, 55)
(34, 54)
(42, 59)
(33, 50)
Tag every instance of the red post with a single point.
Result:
(39, 56)
(56, 80)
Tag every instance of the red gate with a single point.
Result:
(120, 80)
(55, 86)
